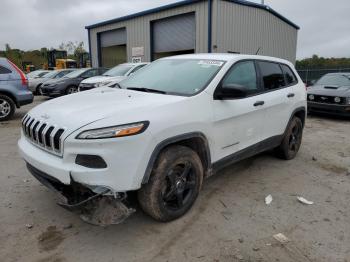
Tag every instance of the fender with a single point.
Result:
(297, 110)
(173, 140)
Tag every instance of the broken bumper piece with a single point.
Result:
(101, 209)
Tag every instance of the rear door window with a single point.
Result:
(290, 76)
(272, 75)
(4, 70)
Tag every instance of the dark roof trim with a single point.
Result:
(267, 8)
(188, 2)
(143, 13)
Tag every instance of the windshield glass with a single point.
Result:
(51, 74)
(76, 73)
(175, 76)
(334, 80)
(119, 70)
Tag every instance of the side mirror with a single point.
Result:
(230, 91)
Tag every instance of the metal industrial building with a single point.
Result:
(193, 26)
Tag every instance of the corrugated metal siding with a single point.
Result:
(138, 30)
(243, 29)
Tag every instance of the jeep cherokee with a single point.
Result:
(166, 128)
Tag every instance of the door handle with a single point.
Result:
(259, 103)
(291, 95)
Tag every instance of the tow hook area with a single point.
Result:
(100, 209)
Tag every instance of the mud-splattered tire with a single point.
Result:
(291, 142)
(174, 184)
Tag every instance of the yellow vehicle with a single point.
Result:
(57, 59)
(65, 63)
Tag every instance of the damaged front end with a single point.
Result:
(102, 209)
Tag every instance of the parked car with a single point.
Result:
(69, 83)
(37, 74)
(14, 90)
(36, 83)
(174, 123)
(115, 75)
(330, 95)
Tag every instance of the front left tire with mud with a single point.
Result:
(174, 184)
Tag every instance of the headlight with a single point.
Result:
(115, 131)
(101, 84)
(311, 97)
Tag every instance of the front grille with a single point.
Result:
(327, 99)
(43, 134)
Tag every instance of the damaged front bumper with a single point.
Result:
(101, 209)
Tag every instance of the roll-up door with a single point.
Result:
(113, 47)
(174, 35)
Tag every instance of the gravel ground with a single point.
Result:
(229, 222)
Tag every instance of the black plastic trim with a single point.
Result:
(173, 140)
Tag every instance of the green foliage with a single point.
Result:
(316, 62)
(39, 57)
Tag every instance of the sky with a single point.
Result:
(32, 24)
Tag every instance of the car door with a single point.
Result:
(275, 98)
(238, 122)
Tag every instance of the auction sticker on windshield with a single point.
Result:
(211, 63)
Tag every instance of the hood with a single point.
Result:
(96, 79)
(341, 91)
(77, 110)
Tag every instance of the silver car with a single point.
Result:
(36, 83)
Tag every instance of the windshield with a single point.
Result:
(119, 70)
(334, 80)
(51, 74)
(175, 76)
(35, 73)
(76, 73)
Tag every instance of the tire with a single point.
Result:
(291, 142)
(37, 90)
(174, 184)
(71, 90)
(7, 108)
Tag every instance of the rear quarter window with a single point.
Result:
(291, 79)
(4, 70)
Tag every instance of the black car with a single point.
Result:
(330, 95)
(69, 83)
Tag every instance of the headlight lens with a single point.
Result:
(311, 97)
(101, 84)
(115, 131)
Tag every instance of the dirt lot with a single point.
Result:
(229, 222)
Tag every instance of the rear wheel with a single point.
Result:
(174, 184)
(7, 107)
(71, 90)
(292, 140)
(38, 90)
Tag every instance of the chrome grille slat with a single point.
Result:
(43, 134)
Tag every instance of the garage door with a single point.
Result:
(175, 35)
(113, 47)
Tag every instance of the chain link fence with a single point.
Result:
(309, 75)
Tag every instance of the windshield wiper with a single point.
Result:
(148, 90)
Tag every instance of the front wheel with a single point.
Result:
(71, 90)
(174, 184)
(7, 108)
(292, 140)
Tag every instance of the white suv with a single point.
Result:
(175, 122)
